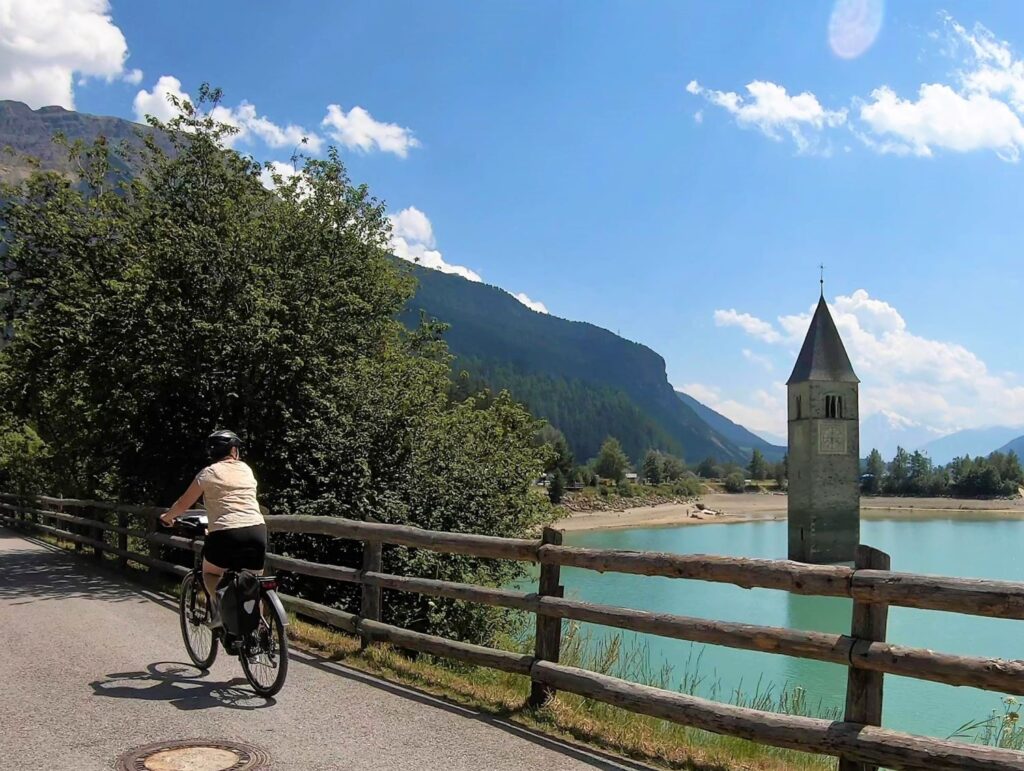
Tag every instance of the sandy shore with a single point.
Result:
(756, 507)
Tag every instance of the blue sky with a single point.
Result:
(671, 171)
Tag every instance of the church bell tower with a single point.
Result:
(824, 448)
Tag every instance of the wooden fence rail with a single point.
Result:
(858, 740)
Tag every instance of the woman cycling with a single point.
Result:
(236, 536)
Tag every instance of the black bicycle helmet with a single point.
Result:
(219, 444)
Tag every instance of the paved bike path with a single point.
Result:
(92, 666)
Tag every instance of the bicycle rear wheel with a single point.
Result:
(264, 652)
(194, 611)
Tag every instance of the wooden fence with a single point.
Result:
(858, 740)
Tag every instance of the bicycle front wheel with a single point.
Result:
(194, 612)
(264, 652)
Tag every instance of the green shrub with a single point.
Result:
(735, 483)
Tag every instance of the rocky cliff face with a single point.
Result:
(27, 134)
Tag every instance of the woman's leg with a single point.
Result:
(211, 577)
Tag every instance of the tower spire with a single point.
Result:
(822, 280)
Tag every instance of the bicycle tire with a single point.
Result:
(204, 656)
(274, 628)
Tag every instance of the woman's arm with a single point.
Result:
(183, 504)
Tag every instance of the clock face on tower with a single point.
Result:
(832, 437)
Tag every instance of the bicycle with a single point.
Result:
(263, 653)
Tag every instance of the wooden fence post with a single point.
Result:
(97, 534)
(122, 540)
(369, 608)
(548, 643)
(76, 529)
(864, 688)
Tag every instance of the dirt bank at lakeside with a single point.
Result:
(724, 508)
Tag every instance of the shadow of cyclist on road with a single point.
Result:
(180, 684)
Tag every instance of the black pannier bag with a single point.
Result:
(239, 598)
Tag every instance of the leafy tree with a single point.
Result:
(612, 462)
(780, 472)
(556, 488)
(150, 310)
(563, 459)
(876, 471)
(735, 483)
(672, 468)
(1009, 466)
(652, 467)
(758, 467)
(708, 469)
(899, 471)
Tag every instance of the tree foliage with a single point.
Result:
(735, 483)
(999, 474)
(611, 462)
(149, 310)
(758, 466)
(651, 468)
(658, 467)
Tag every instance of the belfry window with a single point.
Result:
(799, 406)
(833, 406)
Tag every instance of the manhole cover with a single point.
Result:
(195, 755)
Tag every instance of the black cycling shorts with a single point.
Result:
(237, 548)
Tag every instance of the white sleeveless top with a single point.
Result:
(229, 491)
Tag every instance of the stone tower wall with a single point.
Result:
(824, 474)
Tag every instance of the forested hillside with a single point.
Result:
(587, 381)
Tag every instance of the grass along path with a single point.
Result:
(656, 742)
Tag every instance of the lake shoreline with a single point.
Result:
(723, 508)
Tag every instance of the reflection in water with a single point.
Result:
(826, 683)
(944, 546)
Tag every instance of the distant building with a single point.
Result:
(824, 448)
(631, 476)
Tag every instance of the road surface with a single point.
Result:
(92, 666)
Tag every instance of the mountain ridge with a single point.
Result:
(1014, 445)
(970, 441)
(545, 359)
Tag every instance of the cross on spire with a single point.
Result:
(822, 280)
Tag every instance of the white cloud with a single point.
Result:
(924, 381)
(133, 77)
(774, 112)
(533, 305)
(749, 324)
(250, 125)
(980, 109)
(413, 224)
(942, 118)
(359, 130)
(285, 171)
(764, 410)
(44, 43)
(995, 68)
(412, 239)
(156, 102)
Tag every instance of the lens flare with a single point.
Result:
(854, 26)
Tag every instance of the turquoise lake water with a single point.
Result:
(980, 547)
